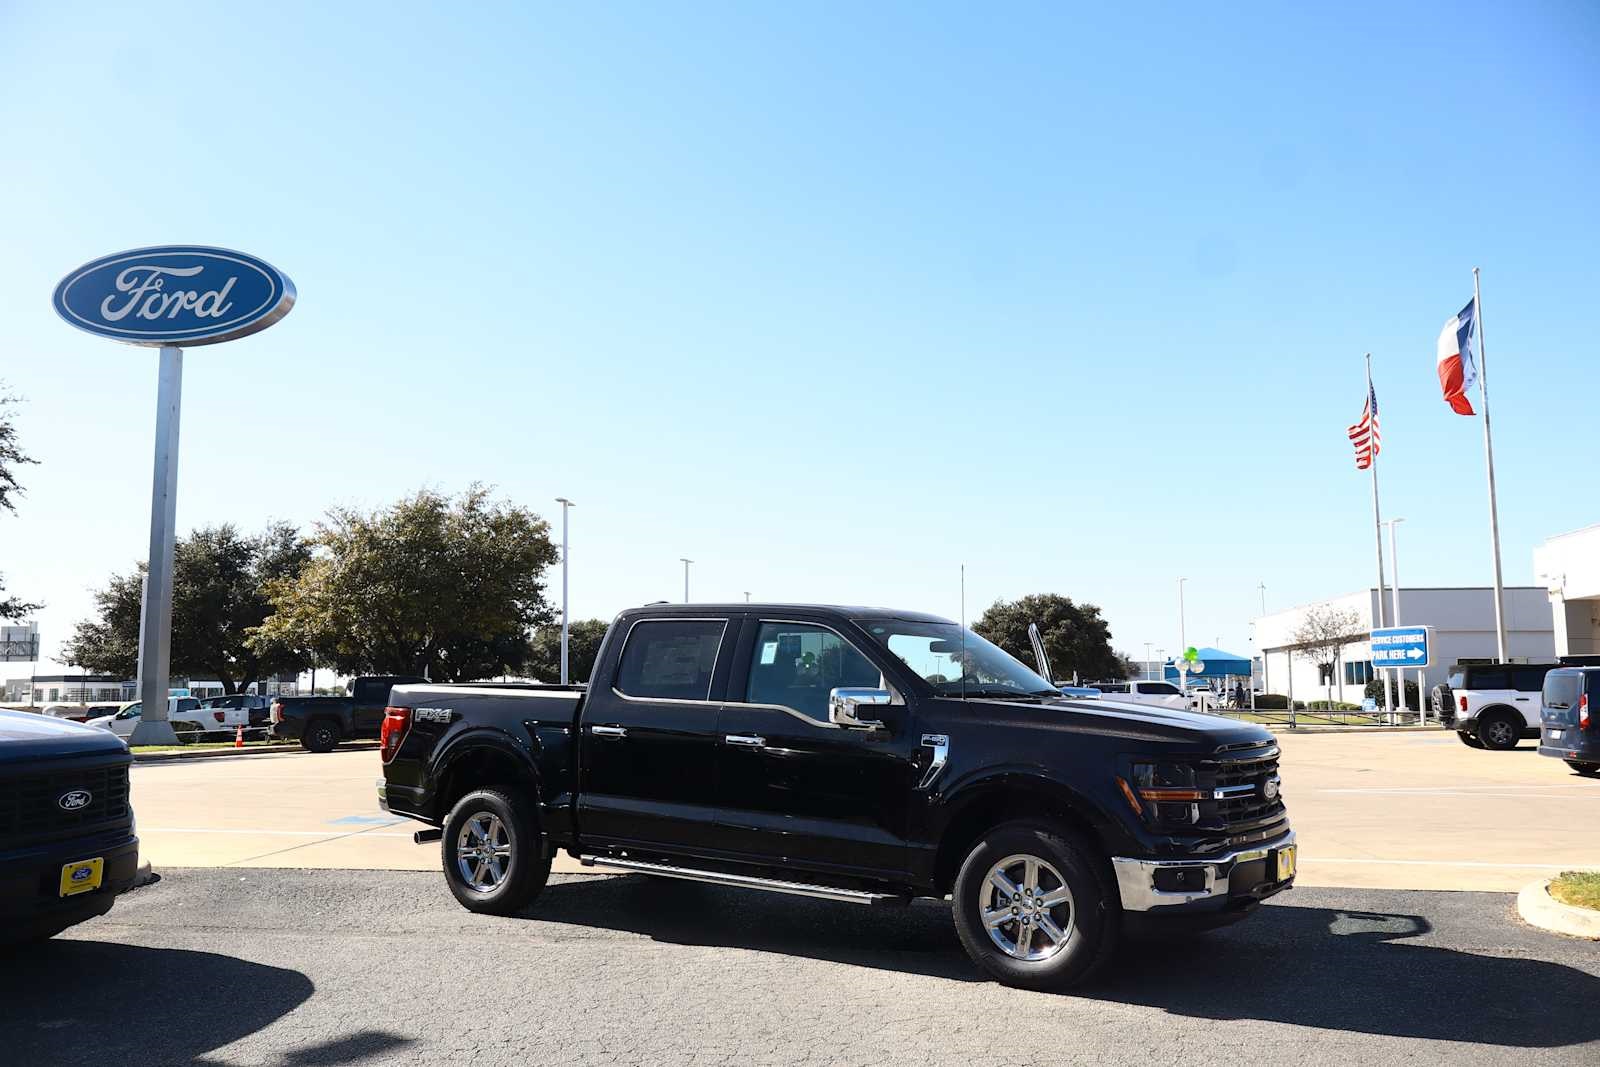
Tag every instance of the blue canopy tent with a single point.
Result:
(1219, 664)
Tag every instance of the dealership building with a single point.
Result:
(1463, 630)
(1569, 565)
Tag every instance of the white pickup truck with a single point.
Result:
(179, 710)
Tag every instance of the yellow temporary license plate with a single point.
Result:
(1286, 860)
(81, 876)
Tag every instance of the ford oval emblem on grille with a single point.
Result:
(1269, 789)
(78, 798)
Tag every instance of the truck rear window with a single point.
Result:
(670, 659)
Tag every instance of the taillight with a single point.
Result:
(1583, 711)
(396, 721)
(1463, 705)
(275, 712)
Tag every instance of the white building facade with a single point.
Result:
(1463, 630)
(1569, 565)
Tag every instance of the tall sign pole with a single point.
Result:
(169, 297)
(156, 619)
(1488, 455)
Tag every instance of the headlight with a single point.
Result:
(1165, 794)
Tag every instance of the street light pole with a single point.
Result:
(1183, 628)
(685, 563)
(747, 596)
(565, 505)
(1147, 659)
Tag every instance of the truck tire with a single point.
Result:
(1468, 739)
(320, 735)
(494, 860)
(1499, 731)
(1588, 770)
(1062, 918)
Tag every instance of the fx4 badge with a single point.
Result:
(443, 715)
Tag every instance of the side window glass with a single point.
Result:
(1528, 679)
(670, 659)
(796, 665)
(1488, 678)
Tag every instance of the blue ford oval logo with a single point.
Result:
(175, 295)
(78, 798)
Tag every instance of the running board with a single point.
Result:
(744, 881)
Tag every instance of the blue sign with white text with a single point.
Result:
(1402, 646)
(179, 295)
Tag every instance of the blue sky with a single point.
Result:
(831, 299)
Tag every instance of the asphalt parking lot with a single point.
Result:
(1383, 810)
(294, 967)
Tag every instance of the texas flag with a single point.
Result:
(1458, 367)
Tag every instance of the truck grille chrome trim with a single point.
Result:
(742, 881)
(1136, 878)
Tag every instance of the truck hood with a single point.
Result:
(28, 736)
(1142, 722)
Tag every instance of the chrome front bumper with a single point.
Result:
(1136, 878)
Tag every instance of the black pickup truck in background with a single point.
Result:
(322, 722)
(857, 755)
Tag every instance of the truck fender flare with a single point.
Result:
(476, 741)
(1027, 781)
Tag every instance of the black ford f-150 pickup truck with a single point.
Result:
(67, 844)
(854, 754)
(322, 722)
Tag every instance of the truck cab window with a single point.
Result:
(795, 665)
(672, 659)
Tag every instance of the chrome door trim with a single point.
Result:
(744, 881)
(940, 743)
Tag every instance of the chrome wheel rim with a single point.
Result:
(1027, 908)
(483, 852)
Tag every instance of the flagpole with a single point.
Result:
(1488, 455)
(1377, 532)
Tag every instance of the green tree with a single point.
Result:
(583, 644)
(11, 457)
(219, 594)
(435, 586)
(1076, 637)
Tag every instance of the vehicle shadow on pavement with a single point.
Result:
(96, 1002)
(1360, 972)
(917, 940)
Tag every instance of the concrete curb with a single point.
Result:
(242, 753)
(1283, 727)
(1538, 908)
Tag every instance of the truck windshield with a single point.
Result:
(957, 662)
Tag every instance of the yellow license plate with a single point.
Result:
(81, 876)
(1286, 861)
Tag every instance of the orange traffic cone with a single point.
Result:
(238, 737)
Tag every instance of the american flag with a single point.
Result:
(1364, 434)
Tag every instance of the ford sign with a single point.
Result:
(75, 800)
(178, 295)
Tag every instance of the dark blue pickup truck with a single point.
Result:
(67, 841)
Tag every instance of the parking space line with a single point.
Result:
(1457, 863)
(329, 834)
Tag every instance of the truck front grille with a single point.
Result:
(31, 804)
(1243, 785)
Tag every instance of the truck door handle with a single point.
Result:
(748, 740)
(609, 731)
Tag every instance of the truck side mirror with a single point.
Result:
(845, 707)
